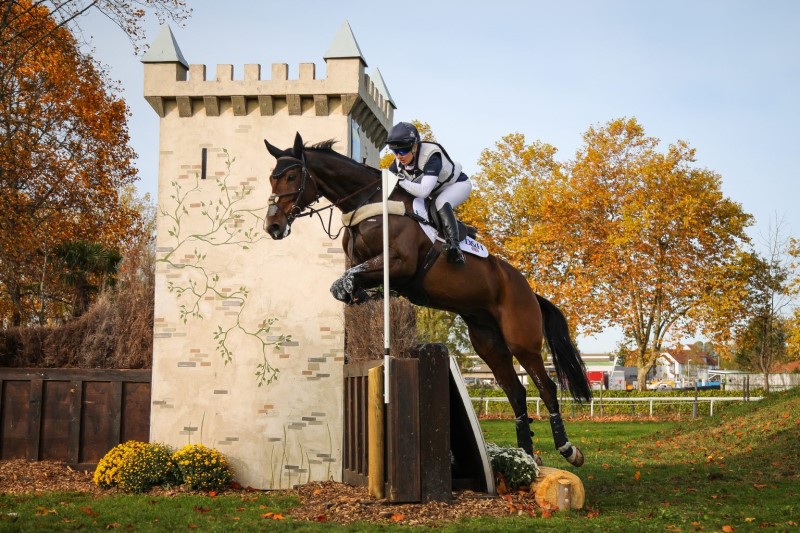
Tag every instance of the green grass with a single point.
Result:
(736, 472)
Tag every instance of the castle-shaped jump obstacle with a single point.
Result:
(226, 292)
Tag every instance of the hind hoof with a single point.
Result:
(572, 454)
(538, 459)
(576, 459)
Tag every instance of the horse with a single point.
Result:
(505, 317)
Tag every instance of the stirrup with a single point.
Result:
(454, 254)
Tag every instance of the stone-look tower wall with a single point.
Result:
(226, 294)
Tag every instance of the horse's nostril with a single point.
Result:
(274, 230)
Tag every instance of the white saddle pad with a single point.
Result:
(469, 245)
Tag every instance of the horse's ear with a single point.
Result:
(275, 152)
(298, 145)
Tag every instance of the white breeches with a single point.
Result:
(455, 194)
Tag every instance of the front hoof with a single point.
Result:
(340, 291)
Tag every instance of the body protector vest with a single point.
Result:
(450, 172)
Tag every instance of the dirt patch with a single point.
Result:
(321, 502)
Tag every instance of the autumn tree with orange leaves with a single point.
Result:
(64, 153)
(624, 235)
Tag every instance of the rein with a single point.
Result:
(299, 212)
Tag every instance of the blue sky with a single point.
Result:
(723, 75)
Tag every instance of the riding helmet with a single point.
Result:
(402, 135)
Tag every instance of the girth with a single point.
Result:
(412, 289)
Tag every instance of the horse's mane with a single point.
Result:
(327, 147)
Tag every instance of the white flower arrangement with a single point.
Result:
(517, 467)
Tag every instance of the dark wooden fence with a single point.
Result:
(71, 415)
(430, 444)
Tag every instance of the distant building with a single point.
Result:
(683, 364)
(598, 369)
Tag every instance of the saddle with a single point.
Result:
(397, 208)
(464, 230)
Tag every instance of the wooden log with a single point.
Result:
(375, 437)
(558, 488)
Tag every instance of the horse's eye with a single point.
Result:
(290, 177)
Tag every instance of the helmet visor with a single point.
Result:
(401, 149)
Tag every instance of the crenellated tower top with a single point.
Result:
(171, 85)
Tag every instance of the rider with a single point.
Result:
(426, 171)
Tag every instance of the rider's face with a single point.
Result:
(408, 157)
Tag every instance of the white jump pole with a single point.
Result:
(387, 330)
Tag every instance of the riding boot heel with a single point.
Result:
(450, 230)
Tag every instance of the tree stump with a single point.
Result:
(558, 488)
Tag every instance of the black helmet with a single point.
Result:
(402, 135)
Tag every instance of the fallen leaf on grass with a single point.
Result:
(759, 486)
(202, 509)
(637, 475)
(273, 516)
(728, 529)
(397, 517)
(41, 511)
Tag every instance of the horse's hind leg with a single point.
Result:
(522, 331)
(548, 392)
(490, 347)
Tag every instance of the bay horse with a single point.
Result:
(505, 317)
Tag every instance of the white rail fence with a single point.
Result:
(597, 405)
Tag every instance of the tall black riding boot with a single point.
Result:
(450, 229)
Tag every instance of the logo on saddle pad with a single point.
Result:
(468, 245)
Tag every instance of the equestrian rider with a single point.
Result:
(426, 171)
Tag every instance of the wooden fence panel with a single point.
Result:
(15, 417)
(136, 415)
(54, 435)
(71, 415)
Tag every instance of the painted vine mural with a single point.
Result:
(226, 221)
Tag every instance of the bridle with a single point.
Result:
(298, 211)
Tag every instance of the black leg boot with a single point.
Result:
(450, 229)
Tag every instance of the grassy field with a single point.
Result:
(736, 472)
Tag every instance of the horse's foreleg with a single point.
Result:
(346, 287)
(352, 286)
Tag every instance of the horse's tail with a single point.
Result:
(569, 365)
